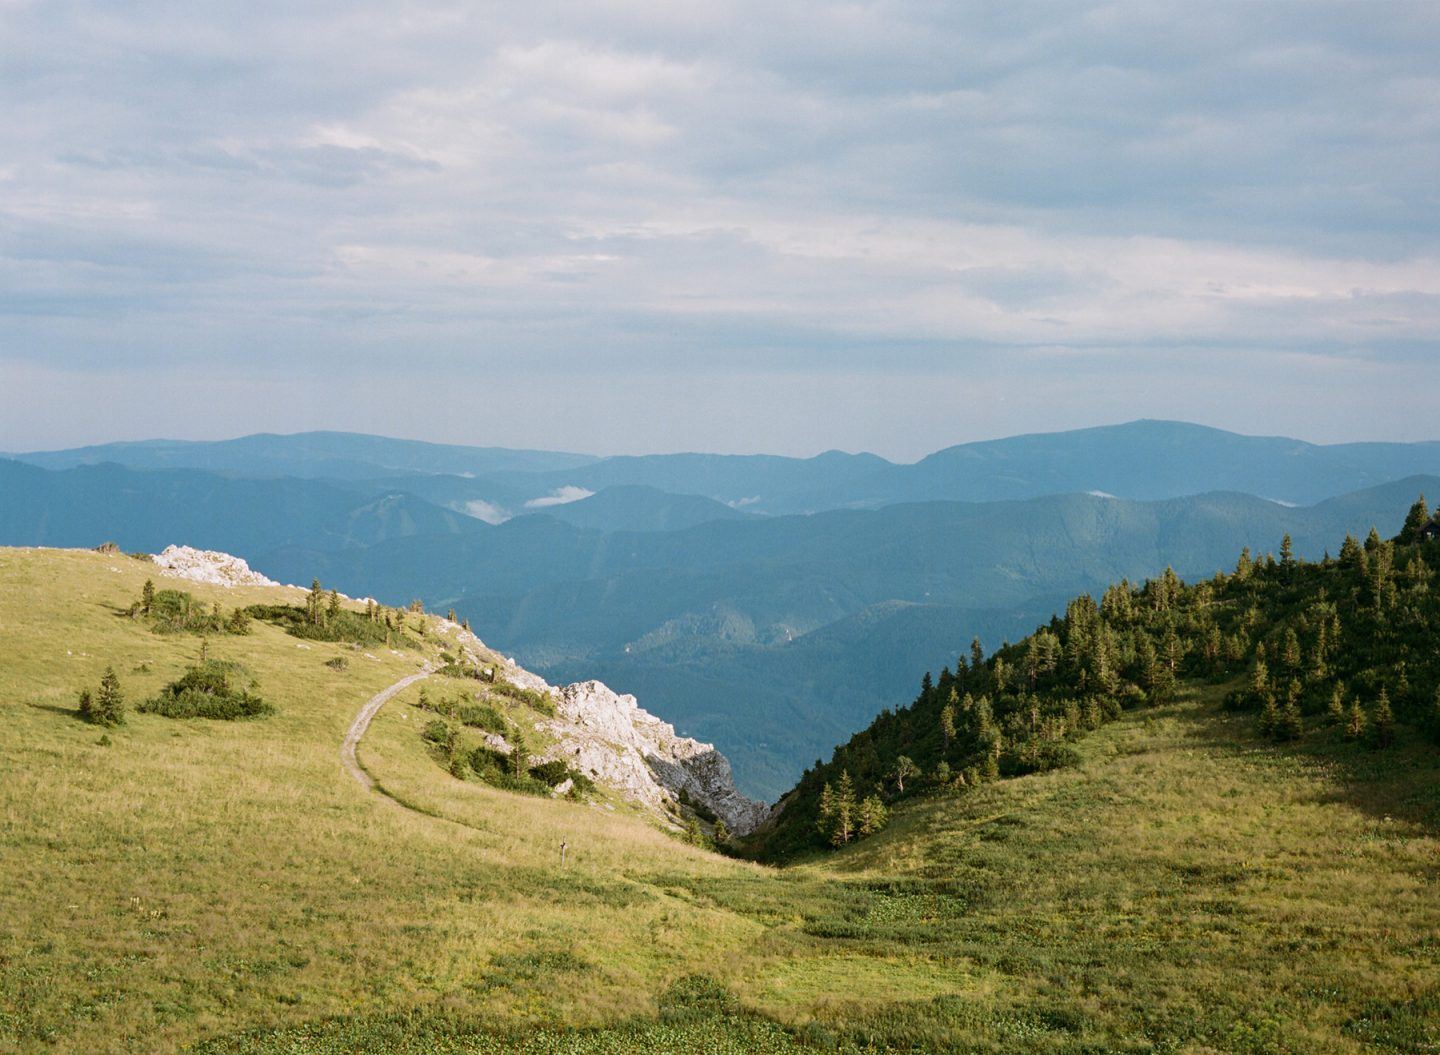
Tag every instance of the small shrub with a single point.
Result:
(337, 663)
(439, 733)
(205, 691)
(539, 701)
(481, 716)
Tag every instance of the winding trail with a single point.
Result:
(362, 722)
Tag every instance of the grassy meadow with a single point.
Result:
(226, 887)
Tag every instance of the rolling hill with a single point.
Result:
(227, 888)
(244, 515)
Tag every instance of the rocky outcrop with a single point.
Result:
(208, 566)
(611, 739)
(621, 746)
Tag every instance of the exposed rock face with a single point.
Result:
(610, 738)
(208, 566)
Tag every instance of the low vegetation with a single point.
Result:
(323, 618)
(208, 690)
(178, 612)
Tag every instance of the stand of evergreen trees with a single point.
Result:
(1347, 642)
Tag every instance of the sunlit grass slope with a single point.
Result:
(228, 887)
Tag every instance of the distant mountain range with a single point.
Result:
(1143, 460)
(694, 580)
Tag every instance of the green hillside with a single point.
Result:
(1342, 648)
(1184, 885)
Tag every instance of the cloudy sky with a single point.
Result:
(621, 227)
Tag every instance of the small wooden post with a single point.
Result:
(563, 846)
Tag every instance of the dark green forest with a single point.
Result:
(1344, 646)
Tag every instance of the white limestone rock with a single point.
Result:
(611, 739)
(208, 566)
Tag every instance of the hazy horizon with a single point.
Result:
(157, 438)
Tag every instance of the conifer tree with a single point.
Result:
(837, 810)
(333, 609)
(1260, 690)
(872, 815)
(1372, 540)
(87, 705)
(947, 721)
(314, 603)
(1245, 565)
(1336, 711)
(519, 755)
(1355, 726)
(1383, 728)
(1269, 724)
(1287, 554)
(109, 706)
(1350, 552)
(1415, 522)
(147, 597)
(1290, 656)
(1290, 725)
(977, 654)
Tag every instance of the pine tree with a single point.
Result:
(147, 597)
(837, 818)
(333, 609)
(1336, 711)
(1269, 719)
(1287, 554)
(1290, 725)
(1415, 522)
(1245, 565)
(872, 815)
(519, 755)
(87, 705)
(314, 602)
(977, 654)
(722, 833)
(1291, 655)
(1383, 728)
(947, 721)
(1260, 690)
(1350, 552)
(1372, 540)
(109, 706)
(1355, 727)
(693, 835)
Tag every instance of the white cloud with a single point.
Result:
(559, 497)
(486, 511)
(500, 195)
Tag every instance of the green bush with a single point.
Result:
(339, 624)
(205, 691)
(539, 701)
(481, 716)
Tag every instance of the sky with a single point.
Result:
(623, 227)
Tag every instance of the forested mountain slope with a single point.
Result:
(1342, 648)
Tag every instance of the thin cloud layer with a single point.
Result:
(765, 214)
